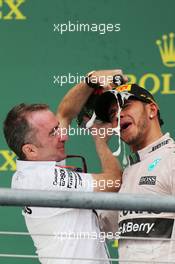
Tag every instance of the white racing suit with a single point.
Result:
(62, 232)
(152, 172)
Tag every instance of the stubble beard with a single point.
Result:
(136, 140)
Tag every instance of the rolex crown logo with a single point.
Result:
(167, 49)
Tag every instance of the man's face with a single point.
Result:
(134, 122)
(50, 145)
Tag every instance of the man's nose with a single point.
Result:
(115, 120)
(64, 137)
(63, 134)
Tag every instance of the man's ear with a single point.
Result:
(30, 151)
(153, 109)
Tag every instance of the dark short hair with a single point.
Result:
(17, 130)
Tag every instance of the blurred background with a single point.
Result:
(44, 51)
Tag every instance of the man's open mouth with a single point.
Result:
(125, 125)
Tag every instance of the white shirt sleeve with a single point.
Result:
(67, 180)
(38, 175)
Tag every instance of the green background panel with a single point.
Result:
(31, 54)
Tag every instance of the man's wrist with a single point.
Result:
(101, 140)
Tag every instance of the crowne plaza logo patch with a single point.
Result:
(147, 180)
